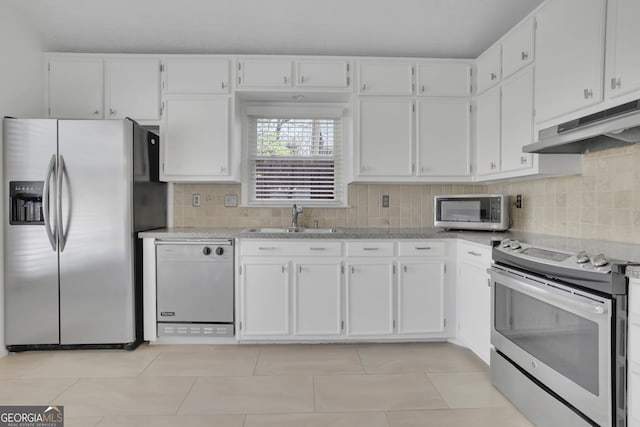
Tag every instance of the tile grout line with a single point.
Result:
(65, 389)
(149, 364)
(186, 395)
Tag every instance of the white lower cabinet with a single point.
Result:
(264, 298)
(369, 298)
(317, 298)
(633, 368)
(474, 298)
(335, 291)
(421, 297)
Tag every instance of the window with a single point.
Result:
(294, 159)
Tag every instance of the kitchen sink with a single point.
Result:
(293, 230)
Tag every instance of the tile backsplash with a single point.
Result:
(602, 203)
(410, 206)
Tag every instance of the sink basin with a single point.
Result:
(293, 230)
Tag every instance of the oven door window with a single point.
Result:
(562, 340)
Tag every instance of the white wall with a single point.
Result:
(21, 94)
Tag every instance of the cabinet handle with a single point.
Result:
(301, 79)
(493, 165)
(524, 55)
(267, 248)
(493, 76)
(588, 93)
(422, 88)
(223, 85)
(616, 82)
(353, 270)
(474, 253)
(404, 268)
(299, 269)
(489, 282)
(96, 112)
(285, 79)
(423, 248)
(284, 268)
(370, 249)
(317, 249)
(112, 111)
(364, 86)
(523, 160)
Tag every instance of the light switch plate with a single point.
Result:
(230, 200)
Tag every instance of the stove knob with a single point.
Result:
(582, 257)
(599, 261)
(206, 251)
(219, 251)
(515, 244)
(505, 243)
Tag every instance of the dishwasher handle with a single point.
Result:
(194, 242)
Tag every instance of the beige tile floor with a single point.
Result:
(352, 385)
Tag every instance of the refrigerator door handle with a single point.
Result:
(62, 234)
(45, 204)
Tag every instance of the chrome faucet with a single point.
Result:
(295, 211)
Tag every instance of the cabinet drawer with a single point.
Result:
(474, 253)
(370, 248)
(423, 248)
(290, 248)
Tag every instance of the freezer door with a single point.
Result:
(96, 253)
(31, 259)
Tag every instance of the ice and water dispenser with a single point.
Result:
(26, 202)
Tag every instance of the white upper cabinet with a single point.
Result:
(322, 74)
(385, 147)
(265, 73)
(517, 48)
(443, 137)
(385, 78)
(132, 88)
(488, 68)
(488, 132)
(569, 57)
(195, 136)
(196, 75)
(76, 87)
(517, 121)
(623, 54)
(444, 79)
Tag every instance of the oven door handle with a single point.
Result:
(547, 292)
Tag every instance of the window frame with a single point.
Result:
(301, 111)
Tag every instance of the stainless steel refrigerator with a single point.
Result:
(76, 194)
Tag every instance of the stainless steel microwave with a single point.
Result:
(471, 212)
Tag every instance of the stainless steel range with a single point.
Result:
(559, 334)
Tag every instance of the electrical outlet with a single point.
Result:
(230, 200)
(195, 200)
(519, 201)
(385, 200)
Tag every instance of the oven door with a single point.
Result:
(559, 335)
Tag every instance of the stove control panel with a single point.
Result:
(580, 261)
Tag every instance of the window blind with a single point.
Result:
(295, 159)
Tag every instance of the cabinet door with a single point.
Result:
(421, 297)
(322, 74)
(317, 298)
(488, 132)
(76, 87)
(623, 56)
(133, 88)
(195, 135)
(444, 79)
(386, 137)
(517, 121)
(264, 299)
(196, 75)
(264, 73)
(474, 308)
(443, 135)
(369, 299)
(488, 68)
(569, 57)
(517, 49)
(385, 78)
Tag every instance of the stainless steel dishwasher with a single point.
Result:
(194, 286)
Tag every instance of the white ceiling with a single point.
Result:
(422, 28)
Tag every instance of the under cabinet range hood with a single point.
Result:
(614, 127)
